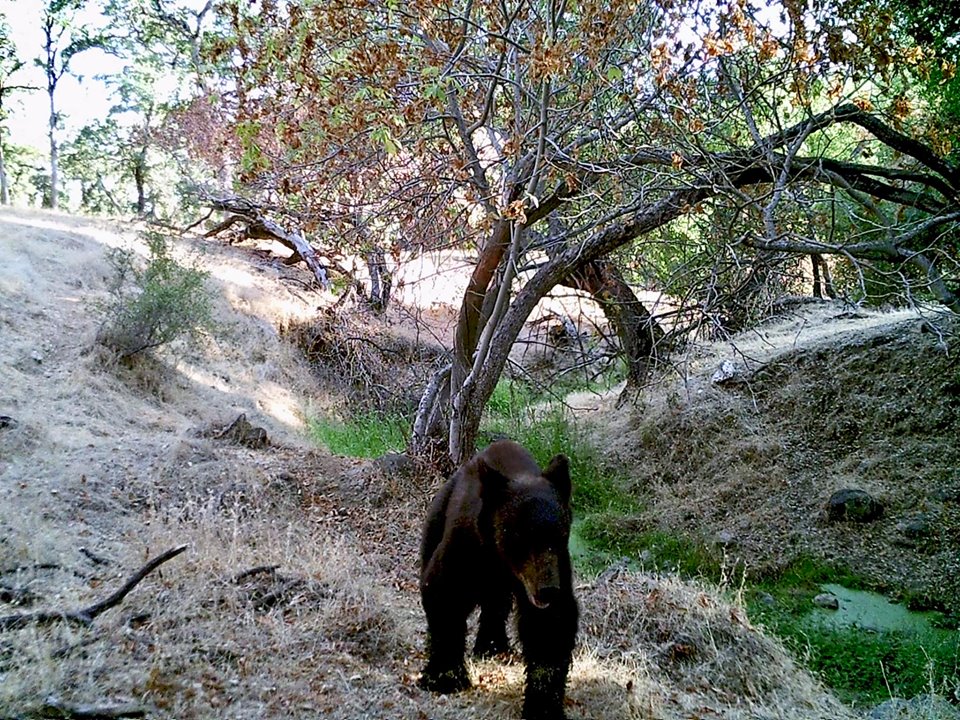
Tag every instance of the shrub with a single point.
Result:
(154, 304)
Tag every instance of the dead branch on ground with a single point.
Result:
(242, 210)
(86, 615)
(53, 707)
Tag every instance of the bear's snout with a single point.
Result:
(541, 580)
(546, 597)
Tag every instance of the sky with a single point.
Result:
(81, 98)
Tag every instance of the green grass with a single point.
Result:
(368, 435)
(866, 668)
(862, 667)
(617, 536)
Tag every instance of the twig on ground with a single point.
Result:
(55, 708)
(94, 558)
(240, 577)
(87, 615)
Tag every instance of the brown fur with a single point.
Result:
(497, 532)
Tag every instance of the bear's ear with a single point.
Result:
(558, 475)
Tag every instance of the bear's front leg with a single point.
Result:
(447, 612)
(543, 699)
(548, 636)
(445, 671)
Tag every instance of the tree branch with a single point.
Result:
(87, 615)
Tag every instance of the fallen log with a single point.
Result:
(243, 210)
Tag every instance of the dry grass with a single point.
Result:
(114, 461)
(823, 401)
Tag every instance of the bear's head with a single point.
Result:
(530, 521)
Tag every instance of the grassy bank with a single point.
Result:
(863, 667)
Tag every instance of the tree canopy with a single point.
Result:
(719, 151)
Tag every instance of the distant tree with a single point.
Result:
(164, 40)
(95, 158)
(63, 39)
(10, 65)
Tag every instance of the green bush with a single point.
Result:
(153, 304)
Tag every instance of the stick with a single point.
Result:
(240, 577)
(56, 708)
(87, 615)
(94, 558)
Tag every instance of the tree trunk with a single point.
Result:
(828, 288)
(638, 331)
(817, 289)
(54, 199)
(381, 280)
(4, 183)
(140, 179)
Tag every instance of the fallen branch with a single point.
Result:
(87, 615)
(56, 708)
(94, 558)
(240, 577)
(243, 210)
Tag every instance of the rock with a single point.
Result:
(725, 539)
(36, 356)
(855, 505)
(946, 495)
(725, 373)
(393, 463)
(765, 598)
(827, 601)
(917, 527)
(921, 707)
(241, 432)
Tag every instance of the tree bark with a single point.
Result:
(4, 183)
(638, 331)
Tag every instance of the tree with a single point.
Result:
(116, 151)
(95, 158)
(10, 65)
(551, 134)
(63, 39)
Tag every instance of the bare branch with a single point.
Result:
(87, 615)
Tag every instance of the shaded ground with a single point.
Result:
(102, 467)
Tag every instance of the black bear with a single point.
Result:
(498, 530)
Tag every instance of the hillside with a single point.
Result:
(811, 403)
(297, 597)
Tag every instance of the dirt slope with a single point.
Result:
(297, 594)
(819, 400)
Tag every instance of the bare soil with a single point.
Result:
(103, 466)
